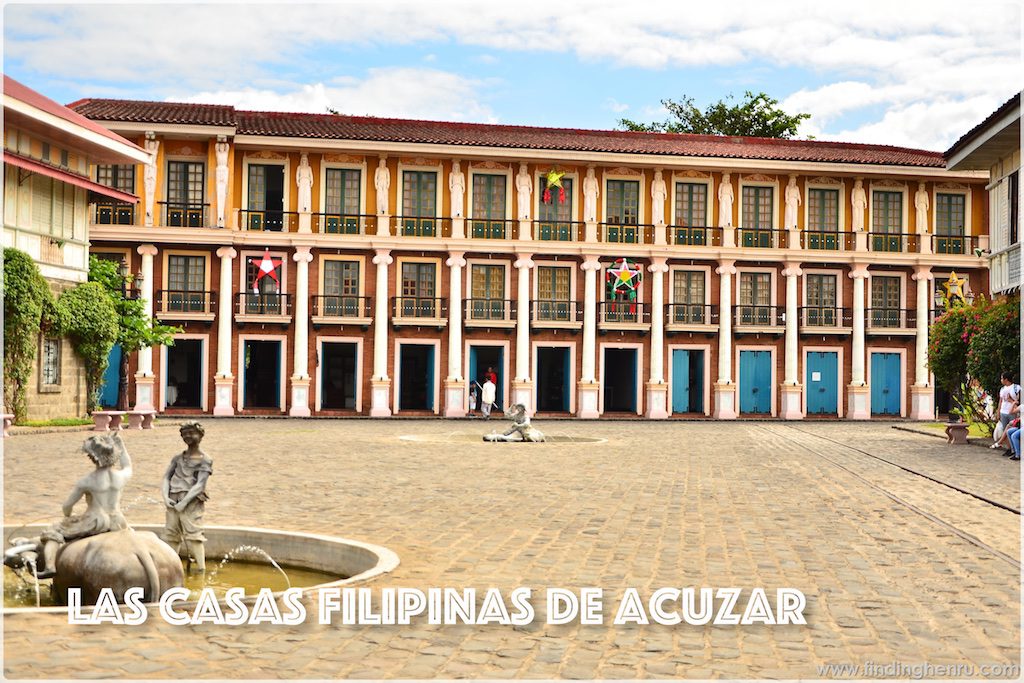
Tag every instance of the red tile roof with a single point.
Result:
(23, 93)
(329, 126)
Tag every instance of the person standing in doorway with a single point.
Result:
(487, 396)
(493, 377)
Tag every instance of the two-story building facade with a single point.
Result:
(48, 153)
(336, 265)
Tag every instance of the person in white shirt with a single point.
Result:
(487, 395)
(1009, 399)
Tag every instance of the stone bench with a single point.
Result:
(141, 419)
(107, 420)
(956, 433)
(8, 421)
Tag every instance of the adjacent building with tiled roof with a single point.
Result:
(340, 265)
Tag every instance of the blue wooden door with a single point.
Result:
(822, 383)
(755, 381)
(885, 383)
(680, 381)
(111, 378)
(430, 377)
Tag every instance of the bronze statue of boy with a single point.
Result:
(184, 493)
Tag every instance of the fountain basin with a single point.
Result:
(351, 562)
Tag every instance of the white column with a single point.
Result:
(145, 382)
(725, 390)
(857, 408)
(657, 390)
(224, 380)
(300, 377)
(454, 384)
(589, 389)
(922, 394)
(522, 385)
(792, 391)
(381, 385)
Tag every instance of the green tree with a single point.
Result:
(135, 329)
(92, 328)
(755, 116)
(995, 347)
(29, 306)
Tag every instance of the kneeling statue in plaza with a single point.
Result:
(184, 492)
(521, 429)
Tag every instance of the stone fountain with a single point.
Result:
(521, 429)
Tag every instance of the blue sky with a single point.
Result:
(907, 73)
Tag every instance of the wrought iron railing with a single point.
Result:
(261, 220)
(762, 238)
(423, 226)
(754, 315)
(825, 316)
(954, 244)
(341, 306)
(827, 240)
(558, 231)
(496, 310)
(491, 228)
(342, 223)
(178, 215)
(611, 312)
(618, 233)
(114, 213)
(691, 314)
(892, 242)
(250, 303)
(419, 307)
(556, 311)
(184, 301)
(694, 236)
(890, 318)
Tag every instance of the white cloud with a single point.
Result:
(486, 59)
(614, 105)
(399, 92)
(904, 58)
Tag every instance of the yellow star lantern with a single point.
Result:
(553, 178)
(955, 287)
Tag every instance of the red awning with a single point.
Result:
(67, 177)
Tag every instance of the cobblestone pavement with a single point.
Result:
(895, 567)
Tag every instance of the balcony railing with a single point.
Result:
(263, 304)
(694, 236)
(491, 228)
(748, 315)
(489, 310)
(558, 231)
(954, 244)
(114, 213)
(178, 215)
(262, 220)
(617, 233)
(556, 311)
(342, 223)
(423, 226)
(184, 301)
(890, 318)
(416, 307)
(827, 240)
(825, 316)
(892, 242)
(691, 314)
(341, 306)
(614, 312)
(762, 238)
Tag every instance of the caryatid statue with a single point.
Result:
(382, 182)
(591, 188)
(859, 201)
(524, 190)
(149, 177)
(304, 179)
(457, 187)
(659, 193)
(725, 199)
(921, 204)
(221, 151)
(792, 203)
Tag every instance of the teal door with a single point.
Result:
(111, 378)
(687, 381)
(822, 383)
(483, 357)
(885, 383)
(755, 381)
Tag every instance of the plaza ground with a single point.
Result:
(897, 566)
